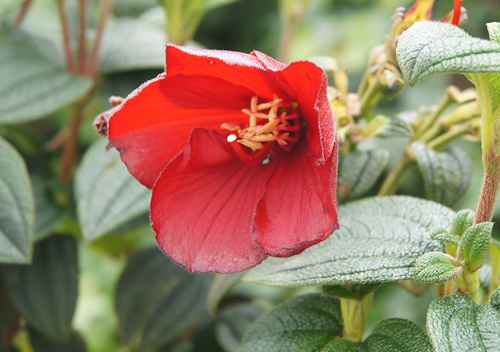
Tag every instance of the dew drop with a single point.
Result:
(215, 257)
(235, 259)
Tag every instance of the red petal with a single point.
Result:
(310, 82)
(238, 68)
(203, 207)
(299, 208)
(268, 62)
(154, 123)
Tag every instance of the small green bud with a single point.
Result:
(440, 234)
(474, 246)
(435, 267)
(462, 221)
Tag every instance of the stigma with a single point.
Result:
(269, 123)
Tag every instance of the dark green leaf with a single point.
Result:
(356, 291)
(107, 195)
(436, 267)
(221, 285)
(455, 324)
(144, 48)
(156, 300)
(32, 85)
(446, 175)
(42, 343)
(359, 171)
(17, 209)
(494, 31)
(48, 213)
(427, 48)
(45, 292)
(345, 346)
(463, 220)
(303, 323)
(233, 321)
(378, 241)
(9, 320)
(475, 244)
(440, 234)
(495, 299)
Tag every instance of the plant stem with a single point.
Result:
(83, 26)
(453, 134)
(395, 177)
(94, 61)
(432, 119)
(489, 194)
(469, 283)
(286, 40)
(24, 11)
(66, 36)
(355, 313)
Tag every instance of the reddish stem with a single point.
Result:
(489, 193)
(456, 12)
(22, 14)
(66, 41)
(83, 27)
(105, 10)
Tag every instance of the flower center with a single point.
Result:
(269, 123)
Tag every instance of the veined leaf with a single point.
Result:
(456, 323)
(494, 31)
(475, 244)
(446, 175)
(379, 240)
(107, 195)
(359, 171)
(428, 48)
(17, 207)
(156, 300)
(436, 267)
(32, 85)
(303, 323)
(45, 292)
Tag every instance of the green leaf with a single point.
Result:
(388, 127)
(446, 175)
(209, 5)
(107, 195)
(428, 48)
(436, 267)
(156, 300)
(303, 323)
(379, 240)
(32, 85)
(132, 44)
(17, 209)
(494, 31)
(355, 291)
(463, 220)
(221, 285)
(42, 343)
(45, 292)
(455, 324)
(233, 321)
(359, 171)
(475, 244)
(440, 234)
(495, 299)
(48, 213)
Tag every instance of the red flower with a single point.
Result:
(240, 151)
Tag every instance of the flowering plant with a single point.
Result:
(240, 203)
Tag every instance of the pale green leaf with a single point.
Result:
(436, 267)
(494, 31)
(428, 48)
(446, 175)
(107, 195)
(17, 209)
(379, 240)
(457, 324)
(475, 244)
(463, 220)
(131, 44)
(45, 292)
(209, 5)
(440, 234)
(157, 300)
(303, 323)
(32, 85)
(359, 171)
